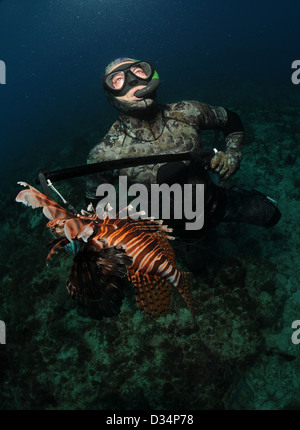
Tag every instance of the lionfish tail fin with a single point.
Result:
(185, 289)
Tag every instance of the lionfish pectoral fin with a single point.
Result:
(76, 228)
(32, 197)
(185, 289)
(86, 232)
(54, 246)
(55, 212)
(152, 293)
(98, 280)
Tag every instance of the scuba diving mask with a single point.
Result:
(127, 76)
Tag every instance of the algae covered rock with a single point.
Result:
(227, 324)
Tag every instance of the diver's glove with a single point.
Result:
(228, 162)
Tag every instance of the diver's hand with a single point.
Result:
(225, 163)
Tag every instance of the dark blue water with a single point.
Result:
(55, 52)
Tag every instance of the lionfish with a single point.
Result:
(106, 250)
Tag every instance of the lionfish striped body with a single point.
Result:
(106, 250)
(147, 254)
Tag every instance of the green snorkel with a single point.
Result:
(151, 87)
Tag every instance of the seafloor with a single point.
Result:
(236, 354)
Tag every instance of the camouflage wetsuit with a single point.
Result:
(172, 128)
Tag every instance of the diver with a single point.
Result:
(145, 127)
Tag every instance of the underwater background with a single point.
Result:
(238, 352)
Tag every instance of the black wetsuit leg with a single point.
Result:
(221, 204)
(251, 207)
